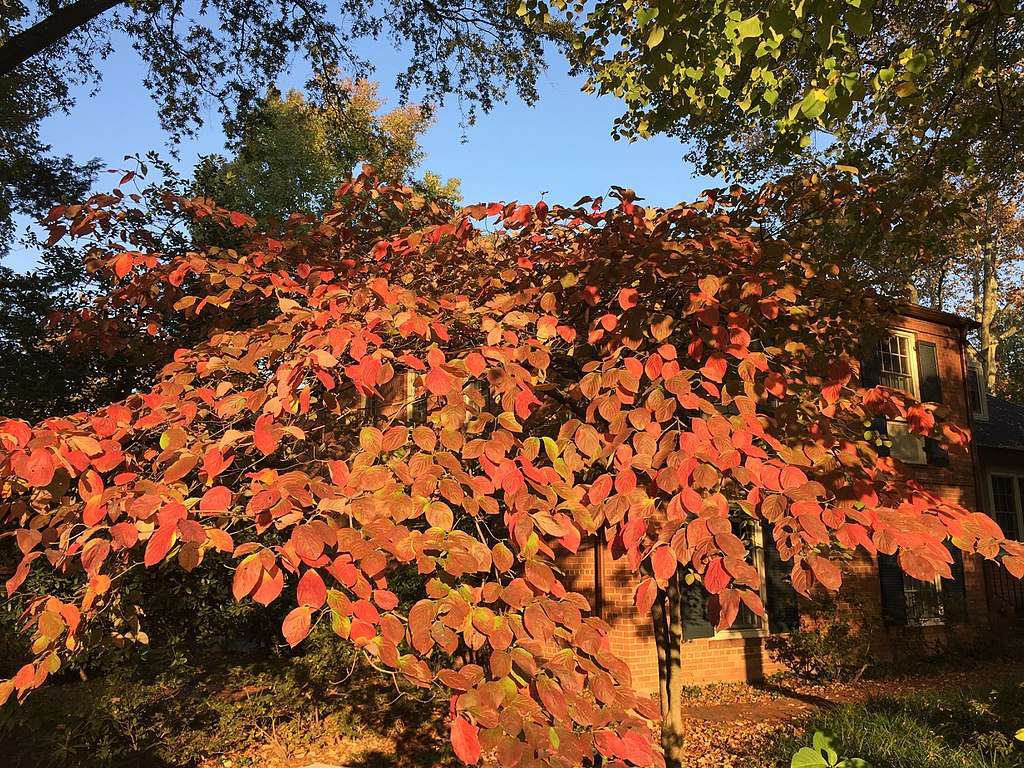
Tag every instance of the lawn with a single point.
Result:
(947, 728)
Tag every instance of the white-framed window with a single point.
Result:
(976, 396)
(1006, 502)
(897, 357)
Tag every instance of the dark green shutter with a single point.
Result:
(871, 376)
(928, 373)
(935, 454)
(695, 613)
(894, 602)
(954, 590)
(783, 614)
(931, 392)
(871, 366)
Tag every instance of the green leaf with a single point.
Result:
(917, 63)
(808, 758)
(749, 28)
(905, 89)
(655, 37)
(814, 103)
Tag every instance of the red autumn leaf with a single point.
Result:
(716, 577)
(826, 572)
(628, 298)
(664, 562)
(296, 625)
(475, 363)
(214, 463)
(646, 592)
(465, 741)
(311, 590)
(159, 545)
(775, 384)
(37, 468)
(438, 382)
(217, 499)
(715, 367)
(265, 435)
(269, 587)
(247, 576)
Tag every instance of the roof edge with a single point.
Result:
(937, 316)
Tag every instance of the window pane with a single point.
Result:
(1004, 505)
(894, 355)
(922, 600)
(746, 529)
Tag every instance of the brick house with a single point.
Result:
(926, 353)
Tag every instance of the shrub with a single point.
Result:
(833, 641)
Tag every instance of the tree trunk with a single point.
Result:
(55, 27)
(989, 306)
(667, 615)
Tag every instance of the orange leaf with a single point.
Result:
(296, 625)
(465, 740)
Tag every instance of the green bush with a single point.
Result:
(833, 641)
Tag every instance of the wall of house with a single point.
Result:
(609, 585)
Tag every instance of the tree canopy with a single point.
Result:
(938, 85)
(398, 387)
(297, 149)
(224, 54)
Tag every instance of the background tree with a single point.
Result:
(401, 388)
(984, 278)
(937, 85)
(298, 149)
(292, 157)
(224, 54)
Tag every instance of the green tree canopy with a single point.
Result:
(296, 151)
(936, 84)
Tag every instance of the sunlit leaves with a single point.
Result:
(466, 410)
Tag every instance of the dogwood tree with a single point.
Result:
(473, 398)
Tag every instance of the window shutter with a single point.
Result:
(954, 590)
(695, 613)
(890, 578)
(928, 372)
(936, 455)
(783, 614)
(871, 367)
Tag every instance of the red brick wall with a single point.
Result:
(609, 585)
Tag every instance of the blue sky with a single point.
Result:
(561, 146)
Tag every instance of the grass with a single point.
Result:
(929, 729)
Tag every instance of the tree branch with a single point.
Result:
(40, 36)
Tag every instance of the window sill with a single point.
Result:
(734, 634)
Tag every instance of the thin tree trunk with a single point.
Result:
(989, 306)
(667, 615)
(55, 27)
